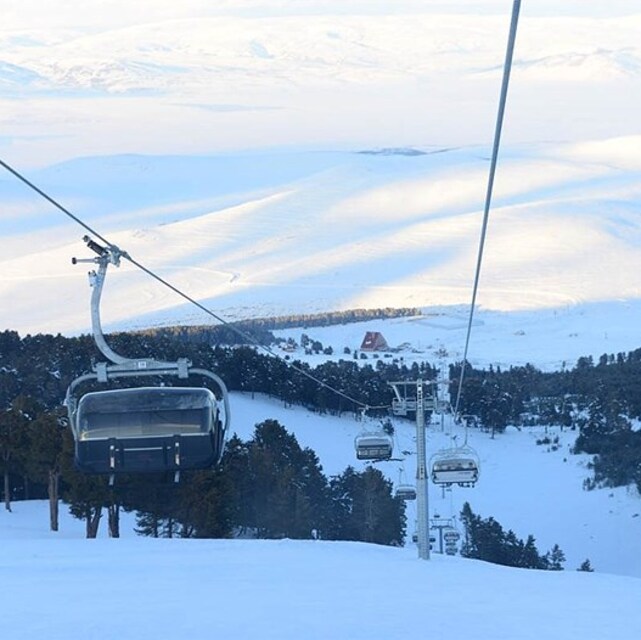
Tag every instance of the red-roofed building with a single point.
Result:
(374, 341)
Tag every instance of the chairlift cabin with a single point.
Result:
(143, 429)
(405, 492)
(451, 535)
(455, 466)
(373, 446)
(148, 428)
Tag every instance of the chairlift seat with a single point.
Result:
(147, 429)
(455, 466)
(373, 446)
(406, 492)
(142, 429)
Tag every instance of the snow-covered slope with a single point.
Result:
(254, 235)
(145, 589)
(284, 589)
(279, 214)
(550, 339)
(527, 487)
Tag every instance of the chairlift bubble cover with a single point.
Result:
(148, 429)
(373, 446)
(146, 411)
(455, 466)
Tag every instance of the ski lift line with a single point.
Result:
(117, 254)
(490, 185)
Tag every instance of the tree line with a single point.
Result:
(259, 329)
(43, 366)
(270, 487)
(524, 395)
(601, 401)
(485, 539)
(266, 487)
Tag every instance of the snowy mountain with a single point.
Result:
(267, 234)
(318, 156)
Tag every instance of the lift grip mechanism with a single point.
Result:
(111, 253)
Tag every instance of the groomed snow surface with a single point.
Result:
(147, 589)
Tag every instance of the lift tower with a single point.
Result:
(403, 404)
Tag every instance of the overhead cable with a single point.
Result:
(507, 67)
(124, 255)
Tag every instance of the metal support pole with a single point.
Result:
(402, 404)
(421, 476)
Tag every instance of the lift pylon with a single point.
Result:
(406, 402)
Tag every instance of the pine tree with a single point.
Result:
(235, 466)
(555, 558)
(530, 558)
(204, 502)
(85, 494)
(486, 540)
(586, 566)
(14, 423)
(470, 522)
(148, 524)
(45, 460)
(513, 549)
(365, 509)
(278, 489)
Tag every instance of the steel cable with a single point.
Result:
(155, 276)
(490, 185)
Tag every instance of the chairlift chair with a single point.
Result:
(143, 429)
(373, 446)
(458, 466)
(405, 492)
(451, 535)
